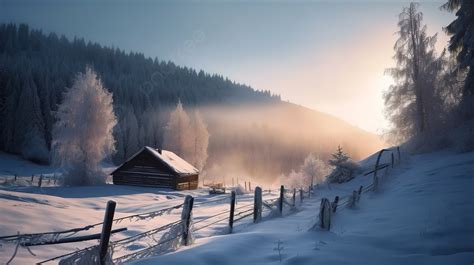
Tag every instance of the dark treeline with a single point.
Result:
(35, 70)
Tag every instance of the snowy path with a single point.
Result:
(423, 214)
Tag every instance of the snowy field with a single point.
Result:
(422, 214)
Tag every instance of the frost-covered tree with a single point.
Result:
(177, 136)
(462, 44)
(339, 157)
(314, 169)
(409, 100)
(82, 135)
(294, 180)
(201, 141)
(189, 138)
(344, 167)
(130, 127)
(450, 87)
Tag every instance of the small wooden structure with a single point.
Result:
(216, 188)
(157, 168)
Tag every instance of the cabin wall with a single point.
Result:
(145, 170)
(187, 182)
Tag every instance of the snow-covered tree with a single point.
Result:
(188, 138)
(295, 180)
(408, 101)
(462, 44)
(339, 157)
(177, 136)
(131, 134)
(82, 135)
(344, 167)
(201, 141)
(314, 169)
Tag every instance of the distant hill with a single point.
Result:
(267, 140)
(35, 70)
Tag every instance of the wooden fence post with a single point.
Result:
(393, 160)
(399, 157)
(15, 177)
(232, 209)
(325, 214)
(245, 182)
(250, 187)
(352, 200)
(360, 192)
(32, 177)
(282, 197)
(294, 197)
(334, 204)
(301, 195)
(377, 162)
(40, 180)
(106, 228)
(186, 216)
(376, 183)
(257, 205)
(309, 192)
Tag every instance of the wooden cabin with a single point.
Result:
(157, 168)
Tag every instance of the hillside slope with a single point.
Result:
(421, 215)
(251, 130)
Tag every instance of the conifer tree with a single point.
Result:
(339, 157)
(462, 44)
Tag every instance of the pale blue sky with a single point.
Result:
(326, 55)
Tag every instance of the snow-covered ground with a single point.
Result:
(422, 214)
(30, 209)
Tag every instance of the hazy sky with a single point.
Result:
(326, 55)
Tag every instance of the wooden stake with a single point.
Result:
(186, 216)
(294, 197)
(301, 195)
(106, 229)
(40, 180)
(257, 205)
(352, 200)
(398, 151)
(325, 214)
(334, 204)
(232, 209)
(280, 203)
(360, 192)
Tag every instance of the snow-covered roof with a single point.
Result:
(170, 159)
(175, 162)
